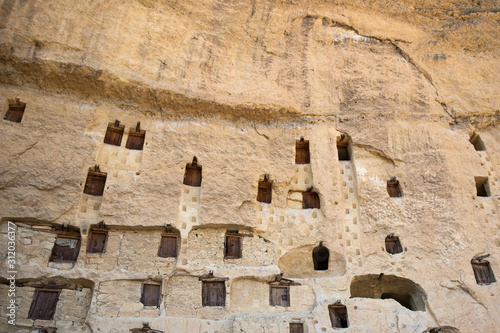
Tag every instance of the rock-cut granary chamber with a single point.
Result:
(249, 166)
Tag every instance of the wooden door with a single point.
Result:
(65, 249)
(135, 140)
(114, 135)
(279, 296)
(265, 192)
(168, 246)
(96, 242)
(302, 155)
(15, 113)
(310, 200)
(151, 294)
(296, 328)
(214, 293)
(233, 247)
(338, 316)
(192, 176)
(95, 183)
(44, 304)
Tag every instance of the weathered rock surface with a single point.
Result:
(236, 83)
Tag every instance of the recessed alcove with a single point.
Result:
(264, 190)
(392, 244)
(482, 186)
(393, 188)
(343, 148)
(338, 315)
(299, 263)
(321, 256)
(15, 112)
(96, 180)
(404, 291)
(477, 142)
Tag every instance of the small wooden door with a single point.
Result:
(135, 140)
(15, 113)
(338, 316)
(95, 183)
(393, 245)
(310, 200)
(192, 176)
(393, 189)
(302, 155)
(483, 272)
(214, 293)
(96, 242)
(65, 249)
(114, 134)
(44, 304)
(264, 193)
(296, 328)
(151, 294)
(279, 296)
(232, 247)
(168, 246)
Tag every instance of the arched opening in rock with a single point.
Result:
(320, 255)
(404, 291)
(310, 200)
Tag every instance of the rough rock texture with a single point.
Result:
(236, 83)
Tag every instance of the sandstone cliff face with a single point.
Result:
(408, 84)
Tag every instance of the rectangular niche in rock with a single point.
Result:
(296, 328)
(66, 247)
(393, 188)
(114, 133)
(310, 200)
(136, 137)
(302, 155)
(279, 295)
(338, 315)
(168, 245)
(265, 190)
(96, 180)
(192, 175)
(44, 304)
(15, 112)
(96, 242)
(482, 186)
(477, 142)
(214, 292)
(482, 270)
(232, 245)
(343, 148)
(151, 294)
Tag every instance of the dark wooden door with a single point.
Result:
(393, 245)
(114, 135)
(44, 304)
(97, 242)
(168, 246)
(483, 273)
(192, 176)
(338, 316)
(135, 140)
(393, 189)
(310, 200)
(302, 155)
(151, 294)
(233, 247)
(296, 328)
(65, 249)
(95, 184)
(15, 113)
(214, 293)
(265, 192)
